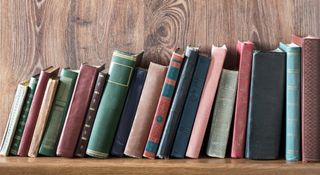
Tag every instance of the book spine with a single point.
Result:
(111, 105)
(24, 114)
(129, 112)
(245, 51)
(178, 102)
(58, 112)
(91, 115)
(209, 91)
(222, 114)
(145, 111)
(43, 116)
(190, 108)
(163, 107)
(13, 119)
(78, 107)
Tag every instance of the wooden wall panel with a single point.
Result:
(38, 33)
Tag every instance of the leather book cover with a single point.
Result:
(244, 53)
(78, 107)
(35, 109)
(266, 104)
(165, 146)
(164, 103)
(218, 55)
(145, 111)
(43, 116)
(310, 96)
(129, 111)
(91, 115)
(112, 102)
(222, 114)
(190, 108)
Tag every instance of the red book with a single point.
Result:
(310, 96)
(77, 109)
(244, 52)
(35, 109)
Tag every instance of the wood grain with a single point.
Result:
(38, 33)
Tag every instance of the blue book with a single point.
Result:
(293, 110)
(190, 108)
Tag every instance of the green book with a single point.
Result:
(111, 104)
(24, 115)
(58, 112)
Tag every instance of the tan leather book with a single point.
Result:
(43, 116)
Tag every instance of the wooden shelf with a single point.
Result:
(43, 165)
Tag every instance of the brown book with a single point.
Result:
(146, 110)
(91, 115)
(35, 109)
(43, 116)
(77, 110)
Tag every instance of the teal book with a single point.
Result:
(222, 114)
(111, 104)
(58, 112)
(293, 110)
(24, 115)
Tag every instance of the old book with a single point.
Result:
(13, 118)
(43, 116)
(146, 109)
(24, 114)
(190, 108)
(218, 55)
(111, 105)
(266, 105)
(164, 103)
(129, 111)
(165, 146)
(35, 109)
(244, 52)
(58, 112)
(91, 115)
(78, 107)
(222, 114)
(293, 110)
(310, 97)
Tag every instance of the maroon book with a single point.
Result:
(244, 52)
(77, 110)
(35, 109)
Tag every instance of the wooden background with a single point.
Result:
(38, 33)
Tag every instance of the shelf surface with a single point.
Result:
(44, 165)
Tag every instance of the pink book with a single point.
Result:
(218, 55)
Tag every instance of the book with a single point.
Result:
(189, 112)
(13, 118)
(26, 138)
(111, 105)
(165, 146)
(78, 108)
(164, 103)
(58, 112)
(218, 55)
(145, 111)
(24, 114)
(91, 115)
(129, 111)
(310, 98)
(222, 114)
(266, 105)
(43, 116)
(293, 110)
(244, 53)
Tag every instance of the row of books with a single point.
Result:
(176, 111)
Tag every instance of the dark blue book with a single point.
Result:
(190, 108)
(129, 112)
